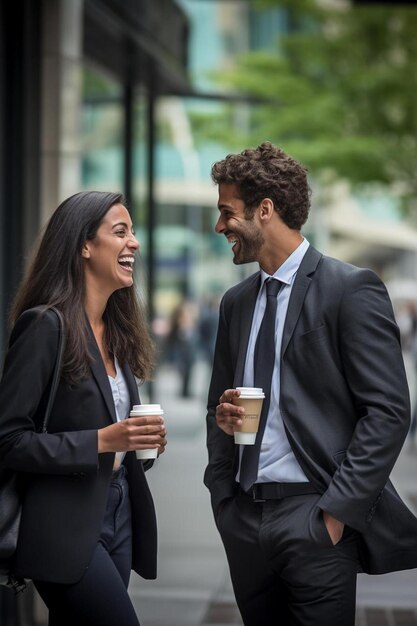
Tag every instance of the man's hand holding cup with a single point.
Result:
(228, 415)
(238, 413)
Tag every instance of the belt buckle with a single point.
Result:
(254, 496)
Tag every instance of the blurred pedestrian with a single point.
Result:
(183, 343)
(413, 350)
(88, 516)
(209, 319)
(309, 503)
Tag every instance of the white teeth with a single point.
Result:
(127, 259)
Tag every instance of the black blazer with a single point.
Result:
(63, 478)
(344, 400)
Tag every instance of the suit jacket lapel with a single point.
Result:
(131, 384)
(247, 305)
(298, 293)
(99, 372)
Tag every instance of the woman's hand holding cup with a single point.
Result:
(136, 433)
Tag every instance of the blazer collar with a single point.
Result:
(131, 384)
(99, 372)
(298, 293)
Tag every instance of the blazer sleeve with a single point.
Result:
(374, 369)
(219, 476)
(27, 373)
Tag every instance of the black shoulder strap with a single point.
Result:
(57, 369)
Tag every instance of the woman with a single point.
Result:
(88, 515)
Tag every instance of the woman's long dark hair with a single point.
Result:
(55, 277)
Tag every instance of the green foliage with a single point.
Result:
(339, 91)
(96, 85)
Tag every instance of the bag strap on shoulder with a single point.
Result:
(57, 369)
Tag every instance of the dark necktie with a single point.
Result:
(263, 362)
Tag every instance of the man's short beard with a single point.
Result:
(249, 249)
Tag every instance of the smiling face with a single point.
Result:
(109, 256)
(244, 234)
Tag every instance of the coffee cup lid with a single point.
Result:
(251, 392)
(147, 408)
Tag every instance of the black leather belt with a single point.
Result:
(261, 492)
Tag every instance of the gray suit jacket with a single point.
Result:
(344, 400)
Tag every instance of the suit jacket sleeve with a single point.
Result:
(220, 473)
(374, 370)
(27, 373)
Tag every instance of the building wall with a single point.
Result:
(61, 88)
(42, 54)
(20, 24)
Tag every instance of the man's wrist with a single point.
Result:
(334, 527)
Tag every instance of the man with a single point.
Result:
(318, 506)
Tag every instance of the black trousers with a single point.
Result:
(100, 598)
(284, 567)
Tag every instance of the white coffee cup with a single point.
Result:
(139, 410)
(251, 399)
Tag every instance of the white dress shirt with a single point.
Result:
(277, 462)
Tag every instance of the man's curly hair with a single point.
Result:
(267, 172)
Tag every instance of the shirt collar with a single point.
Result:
(288, 269)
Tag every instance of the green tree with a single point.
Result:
(340, 92)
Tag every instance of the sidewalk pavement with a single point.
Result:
(193, 586)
